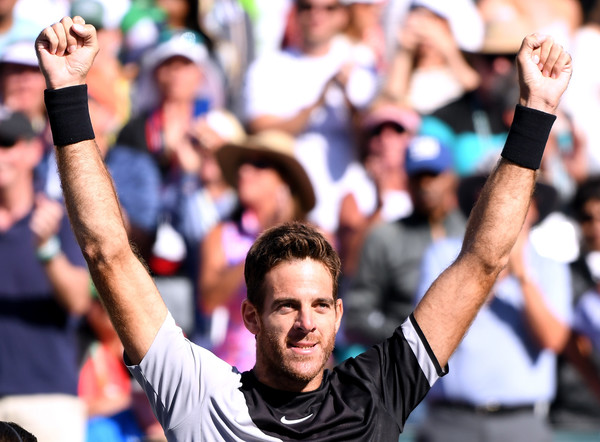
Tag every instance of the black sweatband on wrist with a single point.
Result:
(69, 114)
(527, 137)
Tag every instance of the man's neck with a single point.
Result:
(280, 383)
(316, 49)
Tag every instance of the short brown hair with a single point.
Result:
(283, 243)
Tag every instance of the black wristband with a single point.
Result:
(527, 137)
(69, 114)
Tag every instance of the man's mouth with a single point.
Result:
(302, 347)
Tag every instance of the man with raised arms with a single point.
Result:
(291, 273)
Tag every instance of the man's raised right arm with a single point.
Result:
(451, 303)
(66, 51)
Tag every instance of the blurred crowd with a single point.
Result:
(375, 120)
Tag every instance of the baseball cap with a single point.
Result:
(92, 12)
(14, 126)
(186, 44)
(405, 117)
(20, 52)
(463, 17)
(427, 154)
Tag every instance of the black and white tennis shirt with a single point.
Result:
(198, 397)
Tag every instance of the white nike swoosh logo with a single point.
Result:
(294, 421)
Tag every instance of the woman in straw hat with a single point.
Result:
(272, 188)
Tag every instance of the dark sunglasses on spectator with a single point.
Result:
(377, 130)
(306, 7)
(259, 163)
(587, 217)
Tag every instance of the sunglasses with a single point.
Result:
(377, 130)
(587, 218)
(7, 143)
(307, 7)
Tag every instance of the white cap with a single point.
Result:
(185, 44)
(463, 17)
(22, 52)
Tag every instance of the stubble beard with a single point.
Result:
(291, 370)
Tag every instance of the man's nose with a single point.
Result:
(305, 320)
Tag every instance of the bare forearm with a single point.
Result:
(128, 293)
(293, 125)
(450, 305)
(398, 78)
(550, 332)
(498, 216)
(468, 77)
(90, 198)
(70, 283)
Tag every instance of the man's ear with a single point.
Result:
(339, 308)
(251, 317)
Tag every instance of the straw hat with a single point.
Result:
(276, 147)
(505, 28)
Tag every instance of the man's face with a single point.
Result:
(6, 7)
(295, 333)
(387, 144)
(17, 162)
(433, 194)
(23, 88)
(590, 224)
(178, 78)
(320, 20)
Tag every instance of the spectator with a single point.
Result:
(21, 82)
(365, 31)
(428, 69)
(228, 24)
(581, 102)
(475, 124)
(272, 188)
(386, 132)
(576, 409)
(104, 383)
(175, 91)
(504, 373)
(15, 28)
(383, 291)
(311, 92)
(108, 80)
(44, 290)
(22, 89)
(206, 198)
(141, 27)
